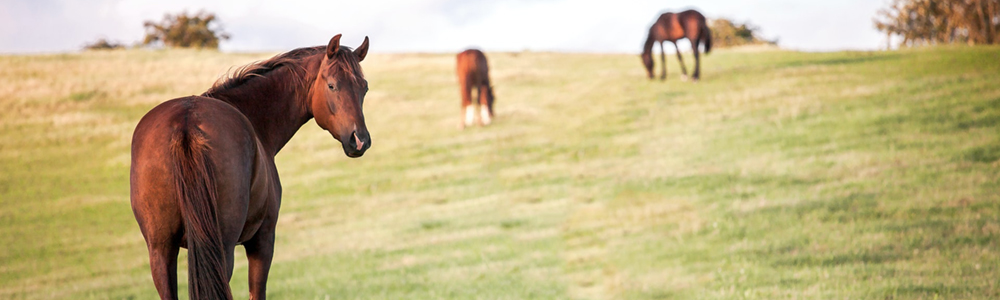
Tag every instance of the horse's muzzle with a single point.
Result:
(357, 144)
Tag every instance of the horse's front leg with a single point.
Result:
(260, 250)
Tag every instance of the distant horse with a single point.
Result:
(203, 174)
(473, 73)
(671, 27)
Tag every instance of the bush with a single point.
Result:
(103, 44)
(726, 33)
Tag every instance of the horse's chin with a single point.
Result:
(353, 153)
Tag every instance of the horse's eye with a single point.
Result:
(330, 85)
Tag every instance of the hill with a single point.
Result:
(780, 175)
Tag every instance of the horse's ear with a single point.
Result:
(333, 47)
(362, 50)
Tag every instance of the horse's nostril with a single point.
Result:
(357, 141)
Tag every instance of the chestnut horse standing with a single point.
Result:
(203, 174)
(473, 73)
(671, 27)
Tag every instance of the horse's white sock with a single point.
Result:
(484, 112)
(470, 115)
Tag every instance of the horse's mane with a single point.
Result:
(348, 63)
(242, 74)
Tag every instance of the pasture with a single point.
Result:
(781, 175)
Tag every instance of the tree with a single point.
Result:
(726, 33)
(201, 30)
(922, 22)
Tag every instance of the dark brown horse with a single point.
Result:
(203, 174)
(473, 73)
(671, 27)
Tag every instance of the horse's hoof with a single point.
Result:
(685, 78)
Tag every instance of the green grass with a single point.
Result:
(782, 175)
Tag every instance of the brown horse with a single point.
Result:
(671, 27)
(203, 174)
(473, 73)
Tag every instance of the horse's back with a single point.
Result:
(674, 26)
(690, 14)
(226, 137)
(692, 21)
(472, 67)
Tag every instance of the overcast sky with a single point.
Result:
(33, 26)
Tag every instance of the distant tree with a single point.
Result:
(201, 30)
(726, 33)
(103, 44)
(922, 22)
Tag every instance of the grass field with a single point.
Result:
(782, 175)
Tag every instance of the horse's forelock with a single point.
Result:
(346, 61)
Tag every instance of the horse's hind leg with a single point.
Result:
(230, 261)
(684, 71)
(484, 105)
(467, 109)
(663, 61)
(260, 250)
(163, 264)
(697, 61)
(161, 228)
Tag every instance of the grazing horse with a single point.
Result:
(203, 174)
(671, 27)
(473, 73)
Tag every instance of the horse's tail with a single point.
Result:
(706, 37)
(195, 184)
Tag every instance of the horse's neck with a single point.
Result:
(275, 107)
(648, 46)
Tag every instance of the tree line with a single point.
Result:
(928, 22)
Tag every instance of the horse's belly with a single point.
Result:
(264, 196)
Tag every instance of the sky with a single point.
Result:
(602, 26)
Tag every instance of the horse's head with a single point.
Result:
(647, 61)
(338, 93)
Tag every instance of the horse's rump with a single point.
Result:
(472, 67)
(202, 157)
